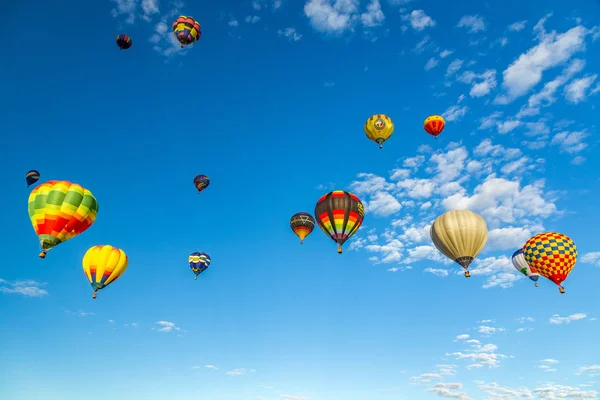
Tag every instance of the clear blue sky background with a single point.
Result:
(274, 117)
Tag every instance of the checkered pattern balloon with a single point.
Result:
(552, 255)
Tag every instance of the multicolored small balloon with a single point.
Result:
(123, 41)
(199, 262)
(201, 182)
(302, 225)
(32, 177)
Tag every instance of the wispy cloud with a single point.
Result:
(167, 326)
(28, 288)
(240, 371)
(558, 320)
(80, 313)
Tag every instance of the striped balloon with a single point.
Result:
(339, 215)
(59, 211)
(103, 265)
(186, 30)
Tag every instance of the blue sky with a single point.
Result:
(270, 104)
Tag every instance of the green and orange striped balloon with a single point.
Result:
(59, 211)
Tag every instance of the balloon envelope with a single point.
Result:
(339, 214)
(32, 177)
(460, 235)
(302, 224)
(59, 211)
(103, 265)
(552, 255)
(379, 128)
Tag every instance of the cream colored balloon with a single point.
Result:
(460, 235)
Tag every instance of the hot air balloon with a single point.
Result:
(379, 128)
(123, 41)
(553, 255)
(59, 211)
(186, 30)
(434, 125)
(518, 261)
(103, 265)
(302, 224)
(32, 177)
(339, 214)
(199, 262)
(201, 182)
(460, 235)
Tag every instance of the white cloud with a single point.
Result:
(438, 272)
(555, 391)
(125, 7)
(570, 142)
(446, 53)
(165, 43)
(517, 26)
(28, 288)
(210, 366)
(455, 113)
(453, 67)
(474, 23)
(482, 84)
(522, 320)
(290, 33)
(489, 330)
(576, 91)
(553, 50)
(80, 313)
(252, 19)
(419, 20)
(480, 355)
(558, 320)
(240, 371)
(167, 326)
(431, 63)
(233, 22)
(591, 370)
(443, 389)
(546, 96)
(331, 16)
(373, 16)
(383, 204)
(149, 8)
(508, 238)
(591, 258)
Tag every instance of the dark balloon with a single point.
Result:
(339, 214)
(123, 41)
(32, 177)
